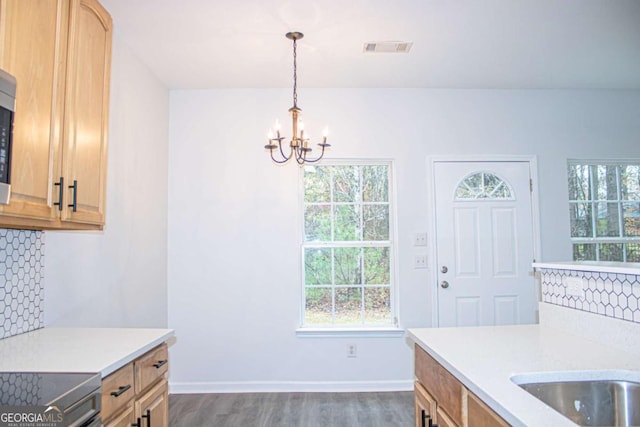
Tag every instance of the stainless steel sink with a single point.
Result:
(593, 402)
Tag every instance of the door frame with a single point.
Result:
(532, 160)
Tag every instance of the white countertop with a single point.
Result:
(101, 350)
(597, 266)
(485, 358)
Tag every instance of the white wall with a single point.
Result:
(118, 277)
(234, 227)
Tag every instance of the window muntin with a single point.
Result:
(347, 248)
(604, 206)
(483, 185)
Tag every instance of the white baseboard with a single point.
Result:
(288, 386)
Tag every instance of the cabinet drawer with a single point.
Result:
(117, 390)
(151, 366)
(443, 386)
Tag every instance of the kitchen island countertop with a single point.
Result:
(485, 359)
(54, 349)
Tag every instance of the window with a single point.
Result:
(347, 249)
(483, 185)
(604, 204)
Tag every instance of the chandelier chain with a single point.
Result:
(295, 74)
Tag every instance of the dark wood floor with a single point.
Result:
(388, 409)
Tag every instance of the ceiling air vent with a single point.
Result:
(387, 47)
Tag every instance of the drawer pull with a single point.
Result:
(61, 185)
(160, 363)
(148, 417)
(121, 390)
(74, 187)
(138, 424)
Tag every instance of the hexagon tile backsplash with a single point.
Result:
(21, 281)
(608, 294)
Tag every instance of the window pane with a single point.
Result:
(317, 266)
(377, 266)
(375, 183)
(579, 182)
(631, 218)
(317, 184)
(630, 182)
(318, 306)
(605, 182)
(633, 252)
(347, 266)
(608, 224)
(346, 223)
(483, 185)
(377, 305)
(317, 223)
(584, 252)
(376, 222)
(610, 251)
(580, 219)
(348, 306)
(346, 184)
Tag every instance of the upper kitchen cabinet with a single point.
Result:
(60, 53)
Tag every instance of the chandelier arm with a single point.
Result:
(282, 152)
(284, 159)
(316, 159)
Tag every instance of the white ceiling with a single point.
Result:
(457, 43)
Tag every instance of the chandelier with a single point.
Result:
(298, 146)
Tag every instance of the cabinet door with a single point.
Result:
(86, 112)
(425, 406)
(480, 415)
(125, 419)
(153, 407)
(33, 42)
(444, 420)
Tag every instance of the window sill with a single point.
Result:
(350, 332)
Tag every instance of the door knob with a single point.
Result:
(444, 269)
(444, 284)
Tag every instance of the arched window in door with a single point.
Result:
(483, 185)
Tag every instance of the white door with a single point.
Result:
(484, 250)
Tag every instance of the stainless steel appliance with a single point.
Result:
(77, 396)
(7, 107)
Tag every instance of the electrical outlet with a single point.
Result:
(420, 239)
(420, 261)
(575, 286)
(352, 350)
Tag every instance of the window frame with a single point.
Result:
(392, 329)
(593, 201)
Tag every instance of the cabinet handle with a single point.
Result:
(121, 390)
(160, 363)
(74, 205)
(137, 424)
(426, 417)
(61, 185)
(148, 417)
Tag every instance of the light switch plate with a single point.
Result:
(420, 261)
(420, 239)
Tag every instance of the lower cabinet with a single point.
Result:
(152, 409)
(443, 401)
(137, 394)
